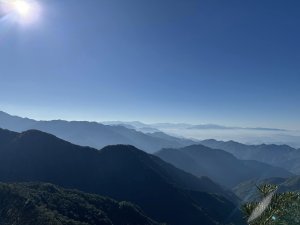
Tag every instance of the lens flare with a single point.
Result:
(20, 11)
(23, 8)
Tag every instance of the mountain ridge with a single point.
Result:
(283, 156)
(221, 166)
(92, 134)
(121, 172)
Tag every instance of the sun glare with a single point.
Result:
(21, 11)
(23, 8)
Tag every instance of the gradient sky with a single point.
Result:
(228, 62)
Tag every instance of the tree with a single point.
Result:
(274, 208)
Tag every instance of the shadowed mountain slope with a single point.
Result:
(46, 204)
(277, 155)
(219, 165)
(164, 192)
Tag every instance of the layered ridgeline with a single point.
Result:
(46, 204)
(219, 165)
(277, 155)
(94, 134)
(164, 192)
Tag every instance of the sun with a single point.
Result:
(21, 11)
(23, 8)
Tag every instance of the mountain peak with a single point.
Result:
(122, 149)
(93, 134)
(121, 171)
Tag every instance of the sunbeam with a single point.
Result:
(20, 11)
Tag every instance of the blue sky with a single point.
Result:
(208, 61)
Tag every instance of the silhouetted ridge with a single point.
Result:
(94, 134)
(122, 149)
(282, 156)
(219, 165)
(168, 172)
(6, 136)
(122, 172)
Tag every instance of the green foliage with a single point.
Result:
(283, 209)
(46, 204)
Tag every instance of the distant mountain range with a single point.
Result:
(219, 127)
(47, 204)
(252, 135)
(282, 156)
(94, 134)
(157, 126)
(139, 126)
(175, 179)
(219, 165)
(165, 193)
